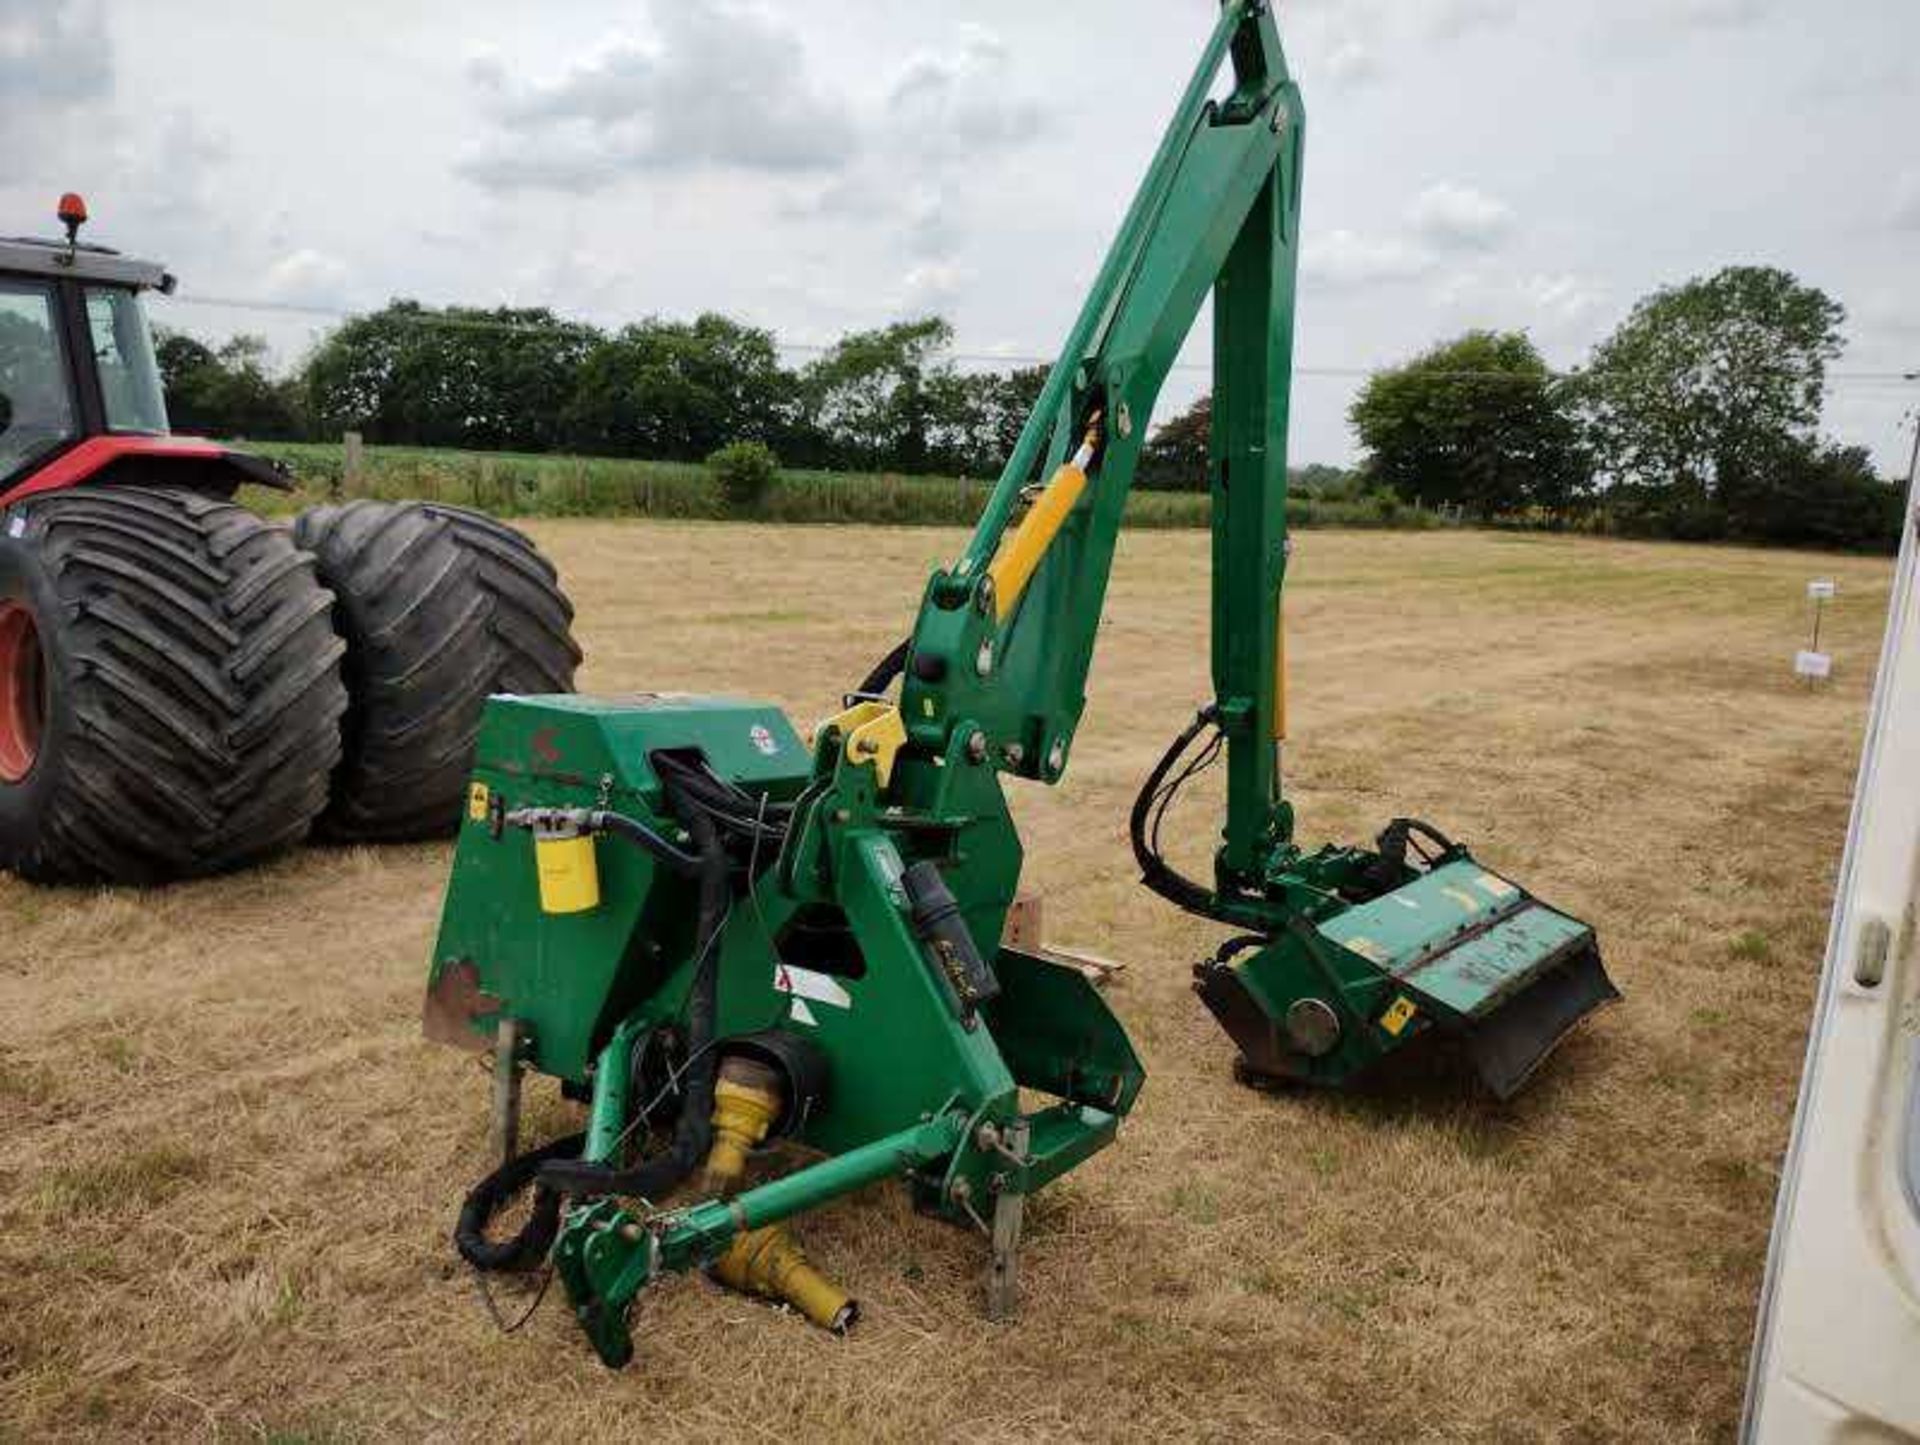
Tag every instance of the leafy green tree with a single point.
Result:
(874, 397)
(1175, 458)
(974, 419)
(678, 390)
(1809, 493)
(746, 472)
(1006, 400)
(31, 380)
(225, 391)
(498, 379)
(1317, 479)
(1478, 422)
(1702, 387)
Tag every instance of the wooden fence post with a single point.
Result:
(352, 464)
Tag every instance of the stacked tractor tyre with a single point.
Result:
(186, 688)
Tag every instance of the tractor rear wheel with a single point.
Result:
(170, 688)
(439, 608)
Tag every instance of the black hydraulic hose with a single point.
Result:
(526, 1249)
(1390, 867)
(637, 832)
(886, 670)
(727, 801)
(693, 1131)
(1155, 871)
(555, 1170)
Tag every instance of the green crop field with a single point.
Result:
(512, 484)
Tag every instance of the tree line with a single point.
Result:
(527, 380)
(1697, 419)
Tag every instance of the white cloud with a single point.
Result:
(1563, 307)
(1562, 299)
(960, 101)
(1450, 19)
(933, 285)
(54, 55)
(1351, 62)
(1347, 258)
(305, 277)
(1906, 202)
(1640, 24)
(716, 85)
(1443, 218)
(1459, 217)
(1721, 12)
(56, 63)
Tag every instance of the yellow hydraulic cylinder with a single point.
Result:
(1014, 564)
(767, 1262)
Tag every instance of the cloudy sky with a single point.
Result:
(819, 166)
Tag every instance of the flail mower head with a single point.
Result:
(1448, 948)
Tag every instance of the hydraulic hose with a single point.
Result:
(555, 1170)
(1155, 794)
(636, 832)
(885, 671)
(693, 1131)
(526, 1249)
(602, 820)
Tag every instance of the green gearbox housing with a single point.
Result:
(914, 1079)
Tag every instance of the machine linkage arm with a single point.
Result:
(607, 1256)
(1006, 633)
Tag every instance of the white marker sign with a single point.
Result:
(1812, 664)
(1821, 589)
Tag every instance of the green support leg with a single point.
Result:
(607, 1115)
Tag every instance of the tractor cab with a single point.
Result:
(76, 354)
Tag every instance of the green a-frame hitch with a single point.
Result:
(692, 919)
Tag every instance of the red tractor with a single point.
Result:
(185, 686)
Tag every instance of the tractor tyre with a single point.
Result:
(170, 687)
(439, 609)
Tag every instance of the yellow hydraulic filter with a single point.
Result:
(767, 1262)
(1014, 564)
(569, 872)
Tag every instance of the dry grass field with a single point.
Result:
(229, 1165)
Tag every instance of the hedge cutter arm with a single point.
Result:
(720, 937)
(1000, 655)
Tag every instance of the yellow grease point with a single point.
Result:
(1398, 1015)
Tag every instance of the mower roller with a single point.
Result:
(719, 937)
(186, 687)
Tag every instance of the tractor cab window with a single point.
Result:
(36, 405)
(123, 353)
